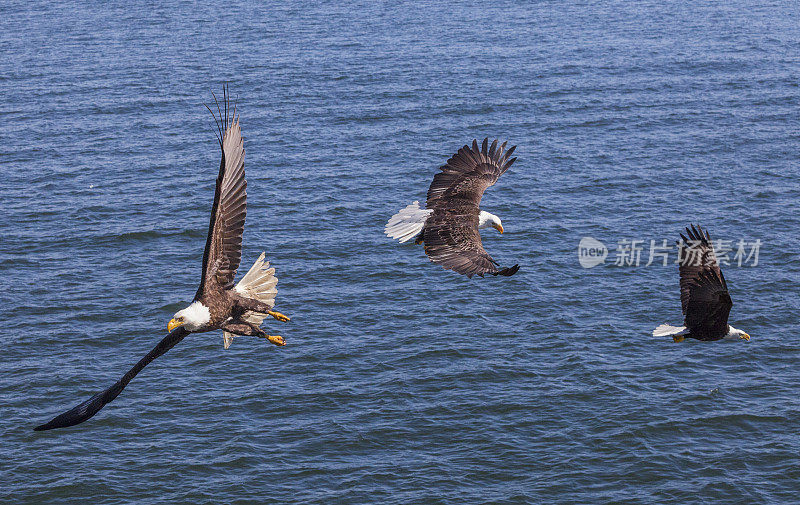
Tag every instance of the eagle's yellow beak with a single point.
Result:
(745, 337)
(498, 227)
(173, 323)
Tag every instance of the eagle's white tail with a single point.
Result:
(666, 330)
(408, 223)
(259, 283)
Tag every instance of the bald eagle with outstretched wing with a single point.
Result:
(450, 225)
(705, 300)
(218, 304)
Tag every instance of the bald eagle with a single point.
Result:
(218, 304)
(704, 293)
(450, 224)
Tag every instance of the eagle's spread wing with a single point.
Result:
(467, 175)
(223, 250)
(705, 300)
(451, 233)
(93, 405)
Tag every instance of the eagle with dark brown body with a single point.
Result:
(705, 300)
(218, 304)
(450, 224)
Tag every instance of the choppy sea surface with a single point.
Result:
(401, 382)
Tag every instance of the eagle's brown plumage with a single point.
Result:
(223, 251)
(705, 300)
(451, 234)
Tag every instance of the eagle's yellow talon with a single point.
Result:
(276, 339)
(279, 316)
(678, 338)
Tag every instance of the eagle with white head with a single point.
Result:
(218, 304)
(451, 221)
(705, 300)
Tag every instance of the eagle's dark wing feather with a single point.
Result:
(468, 173)
(223, 250)
(93, 405)
(453, 241)
(705, 300)
(451, 234)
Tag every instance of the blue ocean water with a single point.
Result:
(401, 382)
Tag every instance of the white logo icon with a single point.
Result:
(591, 252)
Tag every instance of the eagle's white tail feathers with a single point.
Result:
(666, 330)
(408, 223)
(259, 283)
